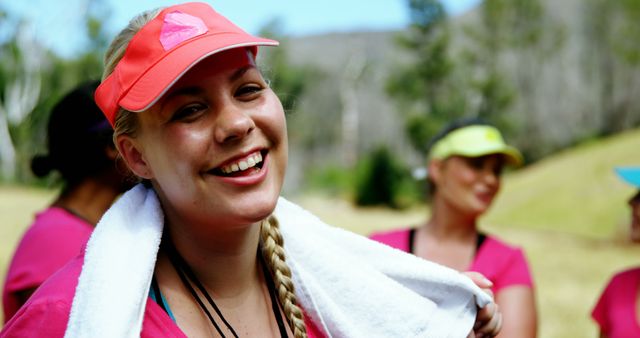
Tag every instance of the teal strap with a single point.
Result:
(154, 293)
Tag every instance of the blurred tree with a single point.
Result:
(32, 79)
(288, 81)
(492, 93)
(352, 75)
(381, 180)
(291, 81)
(20, 84)
(425, 89)
(509, 50)
(611, 60)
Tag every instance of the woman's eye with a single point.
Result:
(248, 90)
(497, 170)
(476, 162)
(188, 113)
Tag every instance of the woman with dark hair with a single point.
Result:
(616, 311)
(81, 150)
(465, 163)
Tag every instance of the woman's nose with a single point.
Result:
(490, 177)
(233, 123)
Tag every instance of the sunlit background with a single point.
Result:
(367, 83)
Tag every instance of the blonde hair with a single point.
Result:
(126, 123)
(273, 253)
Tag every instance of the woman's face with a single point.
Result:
(469, 184)
(215, 145)
(634, 204)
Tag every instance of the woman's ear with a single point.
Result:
(132, 155)
(434, 169)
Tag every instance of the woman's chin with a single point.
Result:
(478, 210)
(258, 210)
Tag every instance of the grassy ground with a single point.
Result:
(570, 269)
(568, 212)
(17, 208)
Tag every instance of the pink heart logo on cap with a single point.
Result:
(178, 27)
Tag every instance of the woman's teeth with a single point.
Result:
(249, 162)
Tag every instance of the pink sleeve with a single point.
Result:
(515, 272)
(398, 239)
(43, 251)
(53, 240)
(599, 313)
(503, 264)
(46, 319)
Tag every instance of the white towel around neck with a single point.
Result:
(348, 284)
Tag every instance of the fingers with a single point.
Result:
(479, 279)
(489, 318)
(492, 329)
(486, 313)
(488, 322)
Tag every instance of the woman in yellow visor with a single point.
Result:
(465, 163)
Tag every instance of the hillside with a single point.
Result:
(575, 191)
(562, 91)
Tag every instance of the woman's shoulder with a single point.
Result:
(626, 276)
(49, 243)
(58, 217)
(62, 284)
(55, 225)
(47, 310)
(497, 244)
(397, 238)
(498, 252)
(503, 263)
(390, 233)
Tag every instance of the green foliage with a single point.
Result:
(54, 76)
(334, 180)
(506, 96)
(425, 89)
(382, 180)
(288, 81)
(610, 60)
(625, 41)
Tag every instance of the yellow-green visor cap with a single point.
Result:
(475, 141)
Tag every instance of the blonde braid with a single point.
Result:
(273, 252)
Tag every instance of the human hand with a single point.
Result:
(489, 318)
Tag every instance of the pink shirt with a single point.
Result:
(615, 311)
(501, 263)
(55, 237)
(46, 313)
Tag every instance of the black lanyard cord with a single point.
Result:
(188, 277)
(176, 261)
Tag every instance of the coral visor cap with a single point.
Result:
(165, 49)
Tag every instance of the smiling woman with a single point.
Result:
(198, 248)
(464, 176)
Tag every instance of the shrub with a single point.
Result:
(382, 180)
